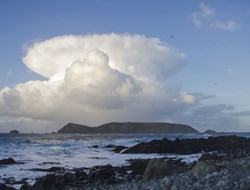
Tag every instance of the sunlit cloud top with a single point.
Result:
(98, 78)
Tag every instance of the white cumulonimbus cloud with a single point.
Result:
(98, 78)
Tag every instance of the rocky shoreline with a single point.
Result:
(224, 164)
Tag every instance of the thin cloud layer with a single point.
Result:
(207, 16)
(98, 78)
(229, 26)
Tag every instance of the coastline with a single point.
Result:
(221, 169)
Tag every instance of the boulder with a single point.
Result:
(102, 173)
(119, 148)
(7, 161)
(138, 166)
(5, 187)
(208, 156)
(25, 186)
(203, 168)
(158, 168)
(52, 169)
(49, 182)
(110, 146)
(81, 175)
(69, 177)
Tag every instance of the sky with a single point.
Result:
(93, 62)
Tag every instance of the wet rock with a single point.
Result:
(138, 166)
(95, 146)
(69, 177)
(122, 170)
(12, 181)
(101, 173)
(26, 186)
(110, 146)
(5, 187)
(81, 175)
(49, 182)
(7, 161)
(49, 163)
(191, 146)
(52, 169)
(9, 180)
(119, 148)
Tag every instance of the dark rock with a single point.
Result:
(207, 156)
(9, 180)
(12, 180)
(119, 148)
(110, 146)
(158, 168)
(26, 186)
(101, 173)
(52, 169)
(111, 181)
(49, 163)
(14, 131)
(138, 166)
(49, 182)
(69, 177)
(122, 170)
(5, 187)
(81, 175)
(95, 146)
(7, 161)
(191, 146)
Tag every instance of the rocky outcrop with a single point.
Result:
(49, 182)
(129, 128)
(52, 169)
(191, 146)
(7, 161)
(102, 174)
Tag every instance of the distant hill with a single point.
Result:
(209, 131)
(129, 128)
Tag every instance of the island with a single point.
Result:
(129, 128)
(14, 132)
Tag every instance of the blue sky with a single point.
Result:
(212, 35)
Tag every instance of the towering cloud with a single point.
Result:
(98, 78)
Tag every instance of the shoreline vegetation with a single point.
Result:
(224, 164)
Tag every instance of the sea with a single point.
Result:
(75, 151)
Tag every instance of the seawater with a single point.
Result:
(74, 151)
